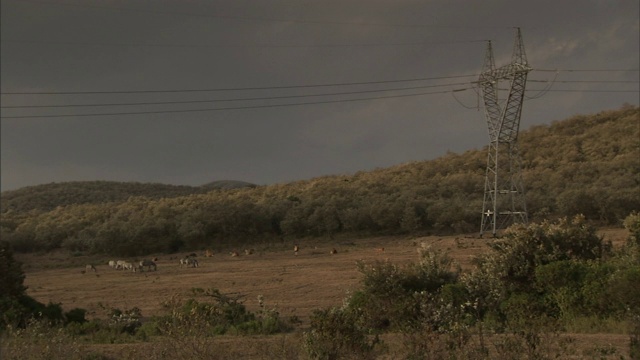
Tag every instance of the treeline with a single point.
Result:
(50, 196)
(588, 164)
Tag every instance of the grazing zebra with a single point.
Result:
(192, 261)
(149, 264)
(125, 265)
(189, 260)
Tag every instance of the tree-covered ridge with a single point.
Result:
(227, 185)
(588, 164)
(49, 196)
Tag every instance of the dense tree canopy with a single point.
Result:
(588, 164)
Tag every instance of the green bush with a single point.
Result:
(85, 328)
(394, 296)
(384, 300)
(76, 315)
(335, 334)
(120, 326)
(127, 321)
(555, 270)
(526, 247)
(38, 340)
(632, 223)
(147, 330)
(223, 315)
(563, 283)
(599, 289)
(624, 291)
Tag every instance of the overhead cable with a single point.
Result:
(227, 46)
(586, 70)
(597, 91)
(233, 108)
(587, 81)
(232, 89)
(250, 18)
(228, 100)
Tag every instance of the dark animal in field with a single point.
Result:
(148, 264)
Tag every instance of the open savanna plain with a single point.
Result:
(294, 284)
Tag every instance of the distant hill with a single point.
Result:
(50, 196)
(587, 164)
(227, 185)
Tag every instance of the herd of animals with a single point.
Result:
(186, 261)
(189, 260)
(125, 265)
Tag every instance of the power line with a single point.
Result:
(234, 108)
(587, 81)
(307, 95)
(228, 100)
(226, 46)
(551, 83)
(587, 70)
(595, 91)
(261, 19)
(282, 97)
(301, 86)
(233, 89)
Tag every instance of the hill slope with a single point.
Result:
(49, 196)
(228, 185)
(587, 164)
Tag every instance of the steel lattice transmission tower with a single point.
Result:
(503, 93)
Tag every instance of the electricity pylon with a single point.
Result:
(504, 202)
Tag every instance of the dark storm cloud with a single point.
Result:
(153, 45)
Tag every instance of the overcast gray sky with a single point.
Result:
(286, 48)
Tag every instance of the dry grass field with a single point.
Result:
(294, 284)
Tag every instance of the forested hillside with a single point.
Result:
(50, 196)
(587, 164)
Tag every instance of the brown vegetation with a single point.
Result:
(589, 164)
(586, 165)
(290, 284)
